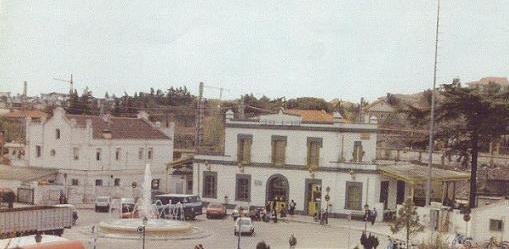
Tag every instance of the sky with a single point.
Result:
(328, 49)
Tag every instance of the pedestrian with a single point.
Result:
(364, 240)
(292, 241)
(262, 245)
(373, 216)
(275, 215)
(292, 207)
(390, 244)
(283, 210)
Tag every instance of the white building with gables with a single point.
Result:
(99, 155)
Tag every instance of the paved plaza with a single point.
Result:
(220, 234)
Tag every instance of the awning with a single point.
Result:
(181, 163)
(418, 174)
(24, 174)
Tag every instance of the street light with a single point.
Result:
(239, 232)
(366, 216)
(141, 229)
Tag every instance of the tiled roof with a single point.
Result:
(23, 114)
(311, 116)
(120, 127)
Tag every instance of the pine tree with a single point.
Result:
(407, 219)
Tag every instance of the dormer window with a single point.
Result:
(57, 133)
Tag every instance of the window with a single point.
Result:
(243, 188)
(150, 153)
(244, 148)
(98, 155)
(140, 154)
(313, 153)
(189, 186)
(358, 153)
(117, 154)
(353, 197)
(116, 182)
(57, 133)
(98, 182)
(76, 153)
(38, 151)
(52, 152)
(496, 225)
(278, 150)
(74, 182)
(209, 184)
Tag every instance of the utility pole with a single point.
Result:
(432, 122)
(199, 118)
(241, 108)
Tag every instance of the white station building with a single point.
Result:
(99, 155)
(298, 155)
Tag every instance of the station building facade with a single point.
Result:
(312, 157)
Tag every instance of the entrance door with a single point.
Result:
(312, 196)
(384, 193)
(400, 194)
(277, 191)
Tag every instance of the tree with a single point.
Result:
(467, 118)
(74, 103)
(407, 219)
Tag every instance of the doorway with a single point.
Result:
(400, 194)
(384, 193)
(312, 196)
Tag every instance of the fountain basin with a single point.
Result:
(154, 227)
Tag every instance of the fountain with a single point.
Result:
(154, 228)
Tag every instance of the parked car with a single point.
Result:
(191, 204)
(240, 211)
(74, 211)
(102, 203)
(128, 208)
(244, 225)
(216, 210)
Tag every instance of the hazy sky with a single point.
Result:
(329, 49)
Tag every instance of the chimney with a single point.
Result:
(25, 86)
(107, 134)
(229, 115)
(158, 124)
(337, 118)
(142, 115)
(373, 120)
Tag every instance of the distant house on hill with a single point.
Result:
(484, 82)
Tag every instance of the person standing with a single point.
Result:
(275, 215)
(292, 207)
(373, 216)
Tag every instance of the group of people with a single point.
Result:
(370, 215)
(369, 241)
(322, 216)
(274, 209)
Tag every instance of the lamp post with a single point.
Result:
(366, 215)
(141, 229)
(239, 233)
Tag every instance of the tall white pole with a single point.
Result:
(432, 123)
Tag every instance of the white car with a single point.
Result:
(102, 203)
(246, 226)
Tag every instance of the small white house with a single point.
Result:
(100, 155)
(491, 221)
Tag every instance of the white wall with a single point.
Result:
(296, 179)
(296, 148)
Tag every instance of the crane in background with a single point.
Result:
(221, 90)
(71, 83)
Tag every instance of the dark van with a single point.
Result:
(192, 204)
